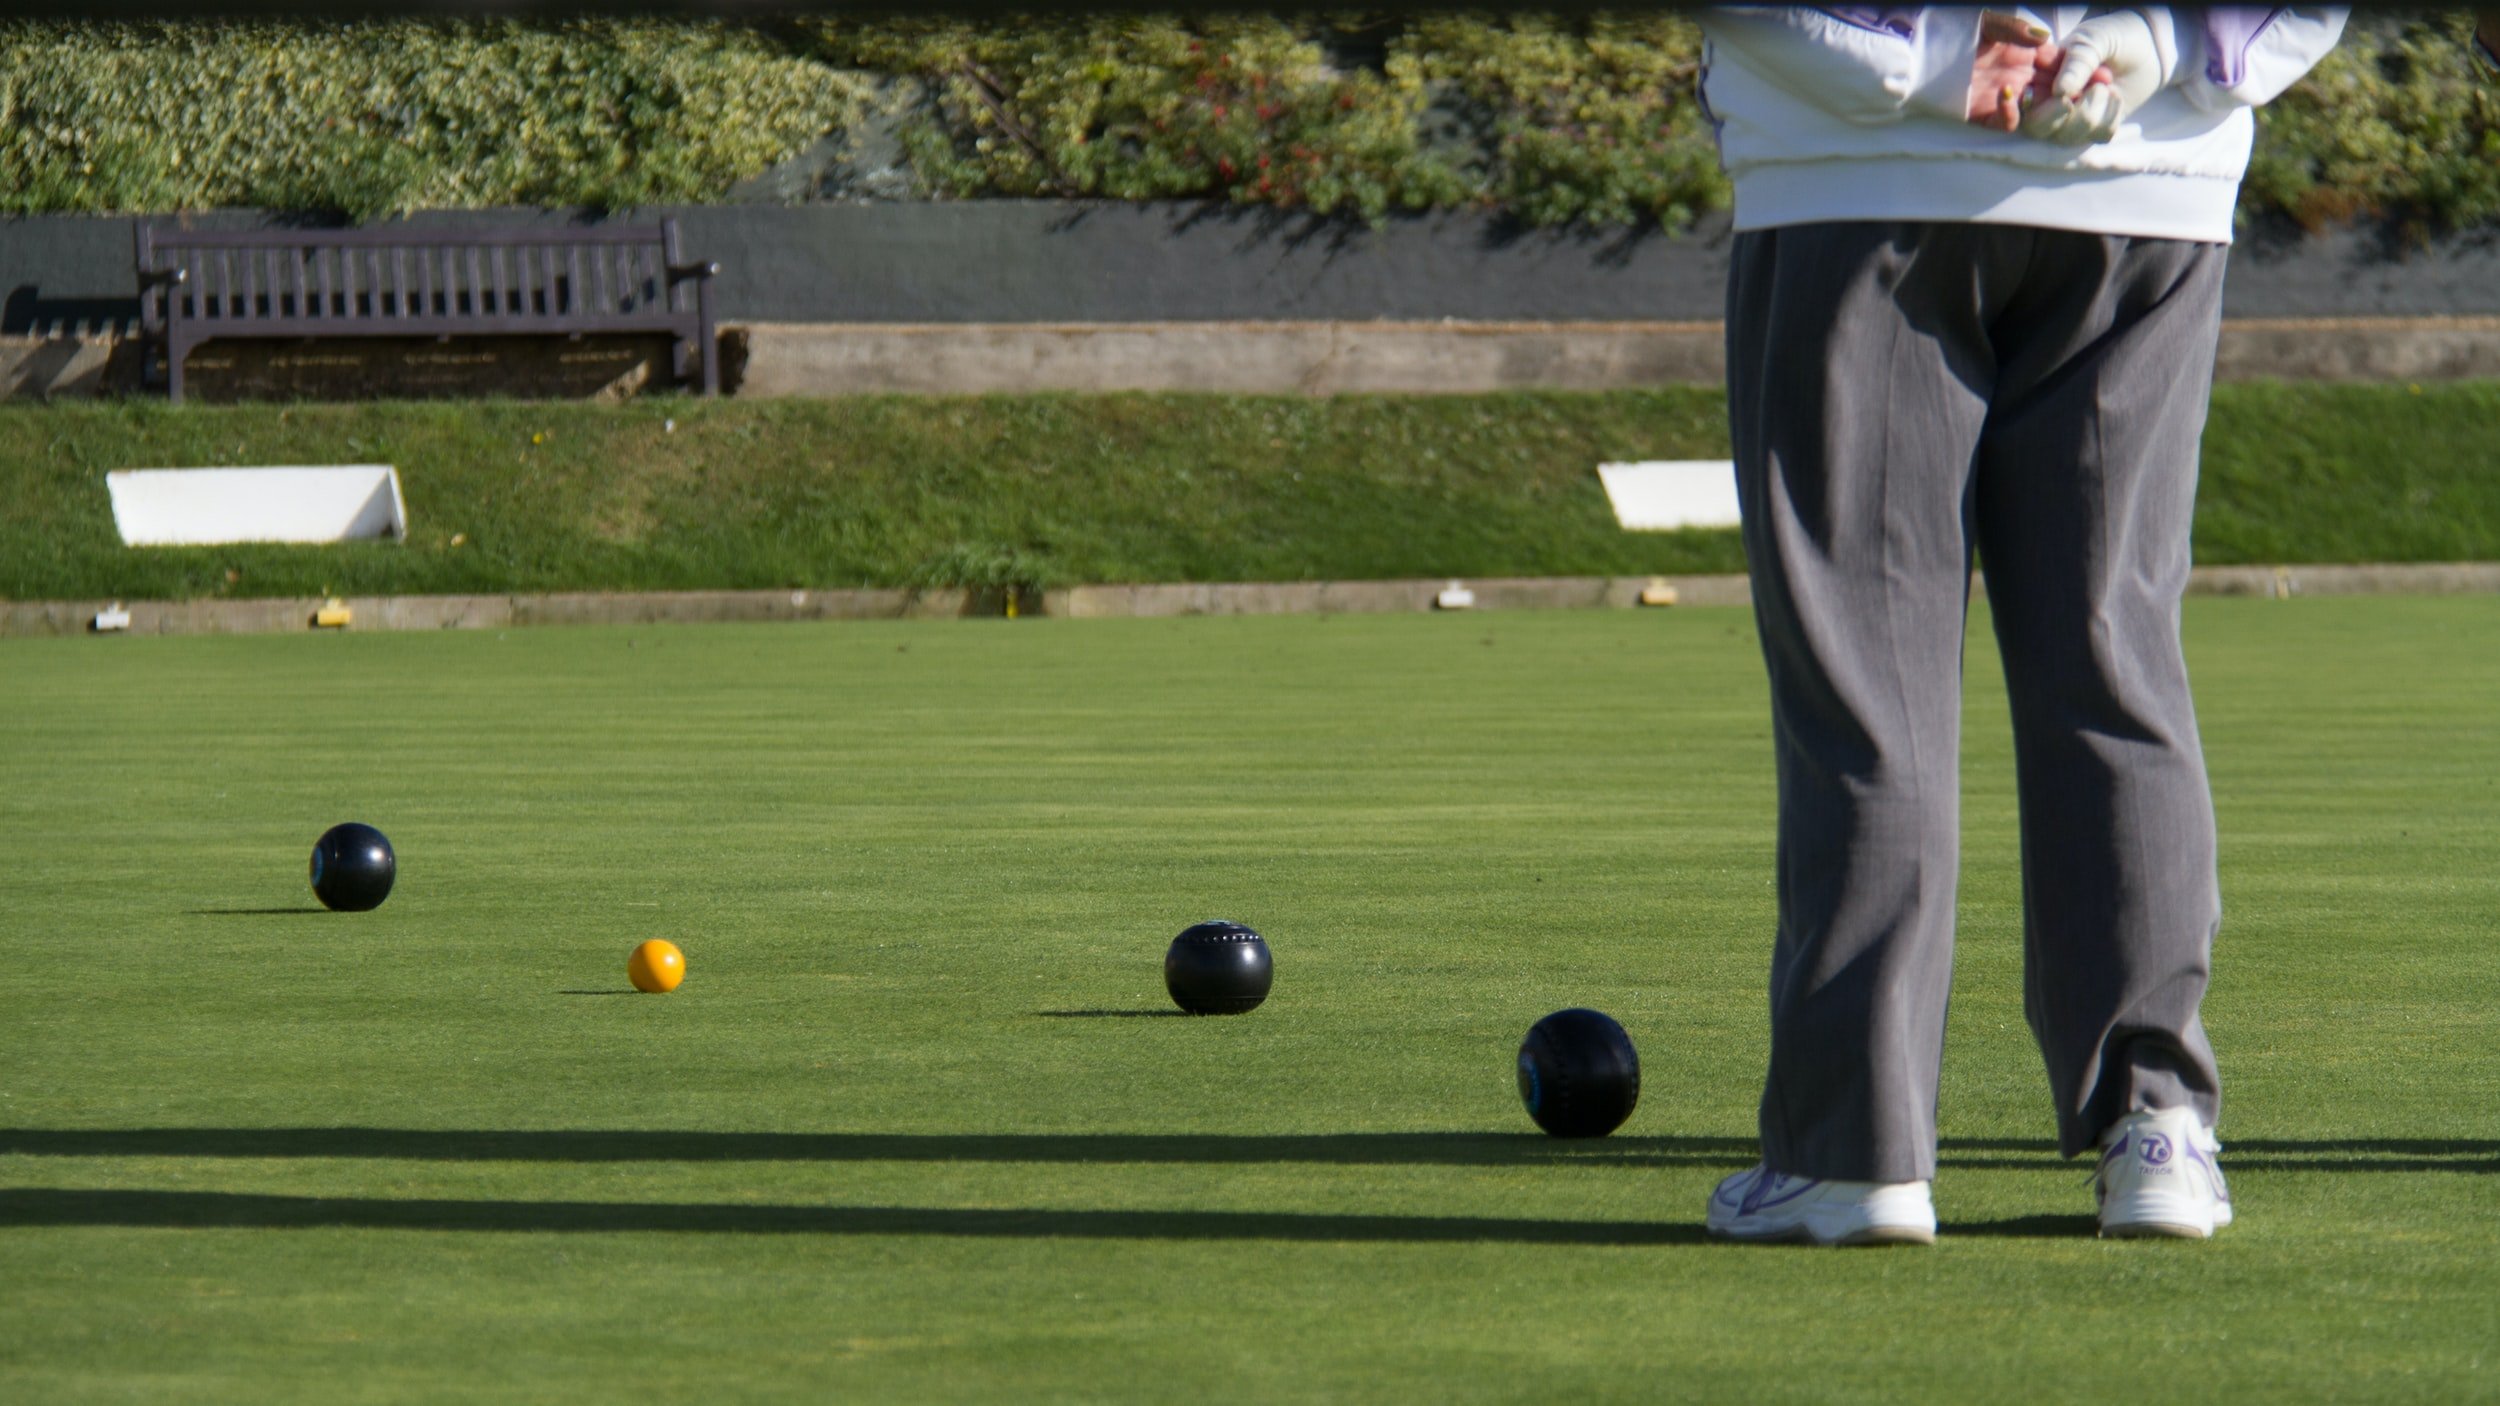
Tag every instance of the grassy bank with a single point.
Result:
(673, 494)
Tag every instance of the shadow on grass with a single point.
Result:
(250, 912)
(593, 1145)
(2256, 1155)
(1109, 1015)
(2024, 1228)
(1378, 1149)
(202, 1210)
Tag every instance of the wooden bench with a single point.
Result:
(204, 285)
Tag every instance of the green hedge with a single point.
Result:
(369, 119)
(1588, 118)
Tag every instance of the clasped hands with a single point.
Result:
(2071, 95)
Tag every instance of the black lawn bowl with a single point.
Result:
(1218, 969)
(352, 868)
(1578, 1074)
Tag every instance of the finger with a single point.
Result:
(1998, 27)
(2009, 113)
(2058, 122)
(2043, 75)
(2075, 74)
(2097, 112)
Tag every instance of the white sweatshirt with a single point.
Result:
(1856, 113)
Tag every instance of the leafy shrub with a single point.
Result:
(1590, 120)
(1238, 109)
(368, 119)
(2394, 125)
(1588, 117)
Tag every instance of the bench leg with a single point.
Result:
(710, 335)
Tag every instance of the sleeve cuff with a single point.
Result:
(1948, 42)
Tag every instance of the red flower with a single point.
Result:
(1224, 167)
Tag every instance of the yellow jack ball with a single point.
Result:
(656, 965)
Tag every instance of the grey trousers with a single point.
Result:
(1900, 394)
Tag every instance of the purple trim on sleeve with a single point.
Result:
(1899, 21)
(2230, 32)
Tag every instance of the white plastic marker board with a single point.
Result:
(1663, 495)
(206, 507)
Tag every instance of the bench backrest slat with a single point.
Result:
(581, 236)
(236, 283)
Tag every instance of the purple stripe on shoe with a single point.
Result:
(1755, 1200)
(2230, 32)
(2222, 1189)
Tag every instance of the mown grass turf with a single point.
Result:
(911, 1131)
(1067, 489)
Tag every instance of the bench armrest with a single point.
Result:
(679, 273)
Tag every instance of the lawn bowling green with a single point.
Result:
(911, 1133)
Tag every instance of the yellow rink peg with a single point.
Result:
(1658, 592)
(656, 966)
(333, 615)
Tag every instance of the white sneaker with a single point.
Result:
(2159, 1176)
(1762, 1204)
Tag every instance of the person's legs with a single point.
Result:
(2087, 485)
(1858, 381)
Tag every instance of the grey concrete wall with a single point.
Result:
(1329, 358)
(2360, 349)
(1260, 358)
(1305, 358)
(1075, 261)
(40, 367)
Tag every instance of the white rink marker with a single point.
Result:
(208, 507)
(1663, 495)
